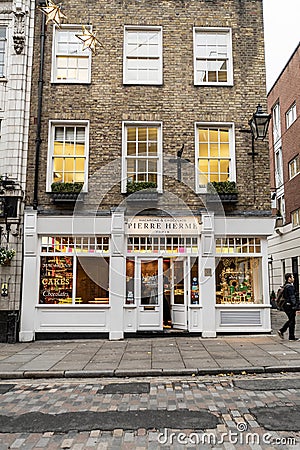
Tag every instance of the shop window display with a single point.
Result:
(130, 297)
(149, 283)
(194, 280)
(58, 285)
(92, 276)
(238, 281)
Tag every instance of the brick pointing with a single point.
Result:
(286, 90)
(178, 104)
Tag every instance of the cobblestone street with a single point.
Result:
(229, 406)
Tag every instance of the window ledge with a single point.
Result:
(224, 198)
(67, 197)
(145, 195)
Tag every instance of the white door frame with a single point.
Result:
(150, 317)
(179, 311)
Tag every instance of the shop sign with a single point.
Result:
(163, 226)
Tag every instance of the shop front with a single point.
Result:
(115, 276)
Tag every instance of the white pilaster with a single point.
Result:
(30, 277)
(117, 275)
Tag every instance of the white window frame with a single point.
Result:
(278, 167)
(145, 29)
(276, 123)
(294, 165)
(5, 62)
(214, 30)
(291, 115)
(57, 123)
(232, 170)
(281, 206)
(295, 216)
(157, 125)
(87, 54)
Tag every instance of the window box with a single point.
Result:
(224, 198)
(66, 192)
(142, 192)
(224, 191)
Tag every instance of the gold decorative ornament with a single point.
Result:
(53, 12)
(89, 39)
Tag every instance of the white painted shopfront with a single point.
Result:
(116, 275)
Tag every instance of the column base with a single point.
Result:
(209, 334)
(26, 336)
(116, 335)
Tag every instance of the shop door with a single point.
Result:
(179, 292)
(150, 288)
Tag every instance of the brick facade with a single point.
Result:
(284, 245)
(178, 104)
(286, 91)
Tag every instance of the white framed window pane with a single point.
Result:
(68, 161)
(152, 134)
(212, 50)
(69, 56)
(141, 168)
(143, 56)
(214, 158)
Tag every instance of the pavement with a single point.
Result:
(153, 356)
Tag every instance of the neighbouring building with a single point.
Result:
(163, 105)
(16, 48)
(284, 138)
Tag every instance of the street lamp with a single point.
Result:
(259, 124)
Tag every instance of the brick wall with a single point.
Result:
(177, 103)
(286, 91)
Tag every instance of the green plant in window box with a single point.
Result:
(66, 187)
(225, 191)
(139, 186)
(222, 187)
(6, 255)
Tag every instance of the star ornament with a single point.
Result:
(89, 39)
(53, 12)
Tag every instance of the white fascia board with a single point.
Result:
(65, 226)
(244, 226)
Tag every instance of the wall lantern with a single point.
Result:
(259, 124)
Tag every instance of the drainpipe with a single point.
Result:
(39, 109)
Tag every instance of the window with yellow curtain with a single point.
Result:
(69, 153)
(214, 154)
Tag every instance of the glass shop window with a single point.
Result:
(57, 284)
(130, 299)
(92, 280)
(56, 281)
(149, 283)
(194, 280)
(238, 281)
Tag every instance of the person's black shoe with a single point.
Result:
(280, 334)
(294, 339)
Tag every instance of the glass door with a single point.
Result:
(179, 289)
(150, 298)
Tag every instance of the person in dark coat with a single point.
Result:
(290, 307)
